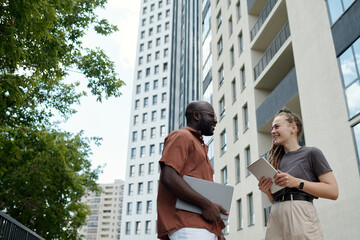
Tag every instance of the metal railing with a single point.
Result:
(10, 229)
(262, 17)
(274, 47)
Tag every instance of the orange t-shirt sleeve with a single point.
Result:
(175, 152)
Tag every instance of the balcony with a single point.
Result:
(13, 230)
(270, 53)
(262, 18)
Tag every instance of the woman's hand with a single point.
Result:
(265, 185)
(286, 180)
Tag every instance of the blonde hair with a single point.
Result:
(277, 151)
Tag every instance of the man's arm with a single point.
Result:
(177, 185)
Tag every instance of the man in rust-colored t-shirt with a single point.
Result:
(185, 153)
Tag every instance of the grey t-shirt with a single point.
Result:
(307, 163)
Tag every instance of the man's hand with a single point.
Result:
(211, 213)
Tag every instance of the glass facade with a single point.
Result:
(350, 69)
(337, 8)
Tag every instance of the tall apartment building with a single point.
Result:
(149, 124)
(276, 53)
(106, 210)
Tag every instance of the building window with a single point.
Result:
(142, 34)
(152, 7)
(131, 189)
(224, 176)
(136, 120)
(161, 147)
(146, 102)
(162, 130)
(158, 29)
(141, 60)
(223, 141)
(165, 67)
(350, 71)
(237, 169)
(220, 46)
(150, 187)
(137, 104)
(143, 22)
(167, 25)
(356, 132)
(236, 128)
(163, 97)
(163, 113)
(157, 55)
(167, 13)
(233, 88)
(147, 72)
(243, 78)
(152, 19)
(152, 133)
(337, 8)
(166, 39)
(149, 206)
(251, 209)
(159, 16)
(138, 207)
(149, 44)
(153, 116)
(139, 75)
(128, 228)
(246, 117)
(239, 215)
(221, 75)
(137, 227)
(151, 32)
(147, 227)
(132, 171)
(154, 99)
(145, 118)
(166, 52)
(144, 10)
(140, 188)
(138, 89)
(133, 153)
(218, 20)
(232, 56)
(222, 107)
(156, 84)
(238, 10)
(143, 134)
(241, 43)
(134, 136)
(141, 47)
(230, 26)
(156, 69)
(248, 159)
(151, 168)
(147, 86)
(129, 208)
(152, 149)
(148, 59)
(164, 82)
(141, 169)
(142, 151)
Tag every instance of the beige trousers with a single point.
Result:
(294, 220)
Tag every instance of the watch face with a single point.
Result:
(301, 185)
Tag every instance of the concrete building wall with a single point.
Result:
(289, 60)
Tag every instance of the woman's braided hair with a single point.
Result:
(277, 151)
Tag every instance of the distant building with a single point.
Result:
(106, 211)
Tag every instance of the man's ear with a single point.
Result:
(196, 116)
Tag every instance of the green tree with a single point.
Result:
(43, 170)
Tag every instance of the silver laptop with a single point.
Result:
(215, 192)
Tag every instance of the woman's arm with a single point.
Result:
(326, 188)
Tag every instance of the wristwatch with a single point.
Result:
(301, 186)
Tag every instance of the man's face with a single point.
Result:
(208, 122)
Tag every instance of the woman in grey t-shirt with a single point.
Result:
(304, 173)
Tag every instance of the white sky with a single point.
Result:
(110, 119)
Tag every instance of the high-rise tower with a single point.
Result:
(149, 123)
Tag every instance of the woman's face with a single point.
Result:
(282, 131)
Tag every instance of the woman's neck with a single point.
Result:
(291, 146)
